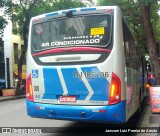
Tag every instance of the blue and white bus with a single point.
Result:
(83, 64)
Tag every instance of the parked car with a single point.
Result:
(2, 85)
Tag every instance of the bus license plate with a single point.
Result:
(67, 99)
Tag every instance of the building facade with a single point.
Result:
(16, 45)
(10, 47)
(6, 70)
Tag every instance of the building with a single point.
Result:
(6, 69)
(17, 45)
(10, 46)
(2, 64)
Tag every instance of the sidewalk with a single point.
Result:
(149, 119)
(4, 98)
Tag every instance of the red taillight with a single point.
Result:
(29, 90)
(115, 90)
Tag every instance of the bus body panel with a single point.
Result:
(54, 82)
(114, 114)
(133, 85)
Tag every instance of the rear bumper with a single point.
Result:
(113, 113)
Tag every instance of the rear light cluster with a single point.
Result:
(147, 85)
(115, 90)
(29, 90)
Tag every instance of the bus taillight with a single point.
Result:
(115, 90)
(29, 90)
(147, 85)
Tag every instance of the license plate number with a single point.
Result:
(67, 99)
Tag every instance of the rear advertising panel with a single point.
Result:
(155, 99)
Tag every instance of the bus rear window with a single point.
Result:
(92, 30)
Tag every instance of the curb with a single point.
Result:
(4, 98)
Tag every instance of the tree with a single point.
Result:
(145, 7)
(3, 19)
(22, 11)
(3, 24)
(133, 17)
(141, 15)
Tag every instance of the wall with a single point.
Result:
(7, 52)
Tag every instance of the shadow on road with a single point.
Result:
(98, 129)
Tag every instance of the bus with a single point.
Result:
(83, 64)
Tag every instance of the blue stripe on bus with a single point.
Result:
(88, 9)
(73, 10)
(74, 85)
(99, 85)
(63, 12)
(51, 14)
(52, 83)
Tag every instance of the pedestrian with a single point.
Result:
(153, 80)
(21, 88)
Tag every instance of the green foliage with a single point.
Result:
(133, 16)
(3, 23)
(108, 2)
(156, 21)
(66, 4)
(22, 10)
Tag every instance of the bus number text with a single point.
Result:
(90, 74)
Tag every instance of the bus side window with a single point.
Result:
(130, 48)
(126, 45)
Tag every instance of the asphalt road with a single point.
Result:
(13, 114)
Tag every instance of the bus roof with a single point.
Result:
(75, 10)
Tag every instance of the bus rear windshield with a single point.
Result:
(88, 30)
